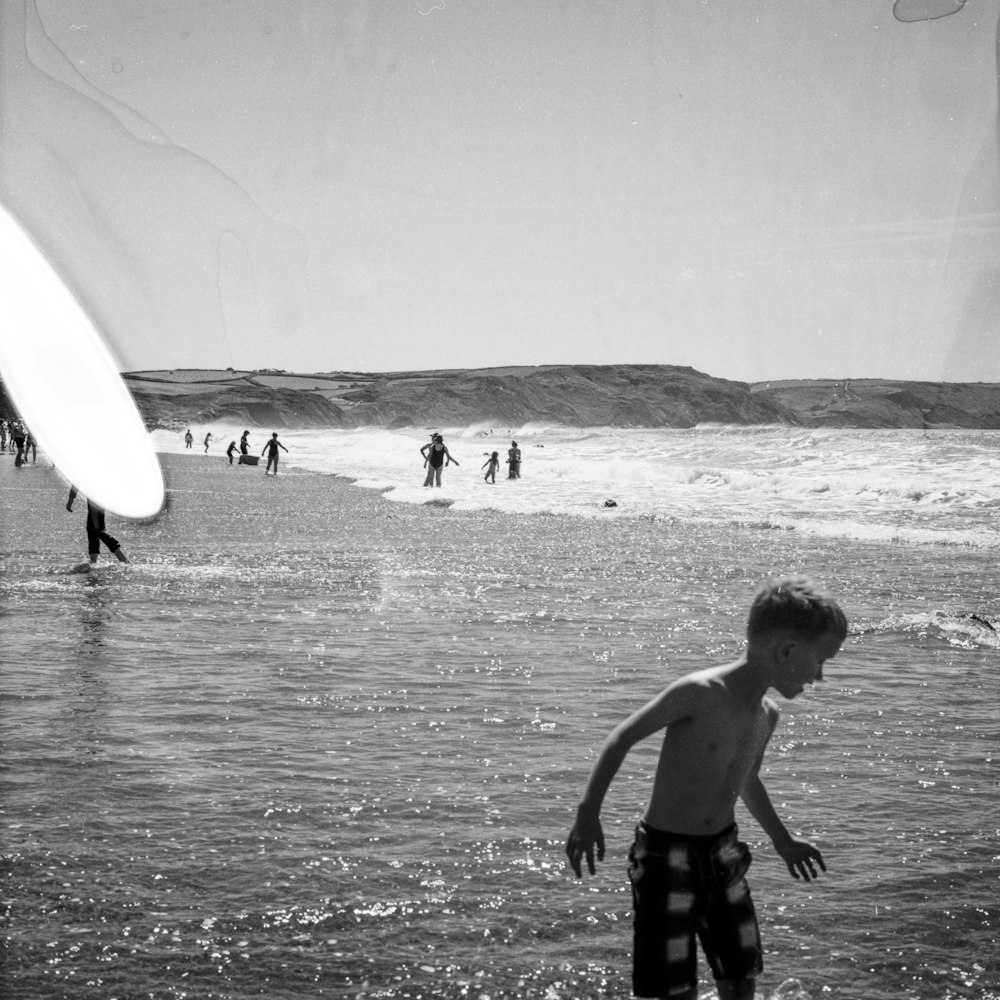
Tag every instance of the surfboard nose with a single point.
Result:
(67, 387)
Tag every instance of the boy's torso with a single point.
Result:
(705, 759)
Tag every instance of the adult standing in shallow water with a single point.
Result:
(245, 443)
(436, 457)
(271, 448)
(513, 461)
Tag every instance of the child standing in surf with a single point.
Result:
(491, 465)
(687, 864)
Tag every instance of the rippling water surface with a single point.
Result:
(311, 742)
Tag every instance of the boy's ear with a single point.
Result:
(783, 648)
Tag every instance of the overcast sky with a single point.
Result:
(763, 189)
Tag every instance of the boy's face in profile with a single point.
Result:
(803, 662)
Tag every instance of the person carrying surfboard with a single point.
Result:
(96, 532)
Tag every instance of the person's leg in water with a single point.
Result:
(96, 534)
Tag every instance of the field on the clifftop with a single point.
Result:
(569, 395)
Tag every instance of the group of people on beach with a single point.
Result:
(436, 457)
(16, 438)
(271, 448)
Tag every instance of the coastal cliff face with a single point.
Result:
(884, 403)
(571, 395)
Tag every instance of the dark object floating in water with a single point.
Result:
(610, 503)
(983, 622)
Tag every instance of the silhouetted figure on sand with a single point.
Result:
(271, 448)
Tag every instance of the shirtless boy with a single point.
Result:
(687, 864)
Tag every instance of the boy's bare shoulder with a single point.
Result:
(710, 680)
(696, 681)
(698, 687)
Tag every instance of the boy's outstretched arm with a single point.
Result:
(670, 706)
(799, 855)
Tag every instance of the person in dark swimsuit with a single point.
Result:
(230, 451)
(514, 461)
(245, 443)
(436, 457)
(271, 448)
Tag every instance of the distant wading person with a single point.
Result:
(208, 437)
(245, 443)
(514, 461)
(188, 439)
(95, 530)
(271, 448)
(687, 864)
(491, 465)
(436, 457)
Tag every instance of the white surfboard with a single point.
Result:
(62, 378)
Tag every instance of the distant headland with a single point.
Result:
(570, 395)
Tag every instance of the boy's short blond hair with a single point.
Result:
(795, 605)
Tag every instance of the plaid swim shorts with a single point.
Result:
(683, 886)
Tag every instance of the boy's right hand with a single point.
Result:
(586, 833)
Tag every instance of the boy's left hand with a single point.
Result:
(582, 840)
(799, 856)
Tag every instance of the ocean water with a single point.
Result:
(941, 487)
(324, 739)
